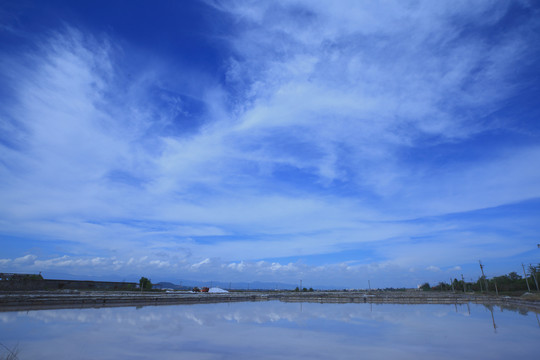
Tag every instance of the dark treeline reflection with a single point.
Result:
(272, 330)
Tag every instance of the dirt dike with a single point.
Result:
(41, 300)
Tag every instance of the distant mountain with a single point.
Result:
(169, 285)
(257, 285)
(187, 284)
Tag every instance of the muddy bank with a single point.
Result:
(36, 300)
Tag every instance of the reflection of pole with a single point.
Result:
(469, 309)
(493, 319)
(526, 280)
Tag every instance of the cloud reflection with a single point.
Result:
(270, 330)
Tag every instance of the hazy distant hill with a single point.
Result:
(257, 285)
(188, 284)
(170, 285)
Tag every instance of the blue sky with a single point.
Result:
(334, 142)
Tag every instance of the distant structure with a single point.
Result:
(21, 282)
(14, 277)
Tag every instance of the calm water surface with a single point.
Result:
(274, 330)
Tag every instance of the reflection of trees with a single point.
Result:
(523, 311)
(9, 354)
(509, 307)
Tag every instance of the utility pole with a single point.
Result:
(462, 279)
(369, 284)
(300, 284)
(533, 273)
(451, 283)
(526, 280)
(483, 276)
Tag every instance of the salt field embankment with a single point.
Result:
(15, 301)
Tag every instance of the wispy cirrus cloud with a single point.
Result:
(334, 129)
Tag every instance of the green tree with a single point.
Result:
(425, 286)
(514, 276)
(145, 284)
(297, 289)
(534, 270)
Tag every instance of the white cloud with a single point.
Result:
(361, 93)
(160, 263)
(204, 262)
(237, 266)
(24, 260)
(311, 155)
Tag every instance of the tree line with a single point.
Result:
(505, 283)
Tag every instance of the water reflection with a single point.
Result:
(271, 330)
(490, 307)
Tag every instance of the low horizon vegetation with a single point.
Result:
(510, 282)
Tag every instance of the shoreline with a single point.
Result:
(46, 300)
